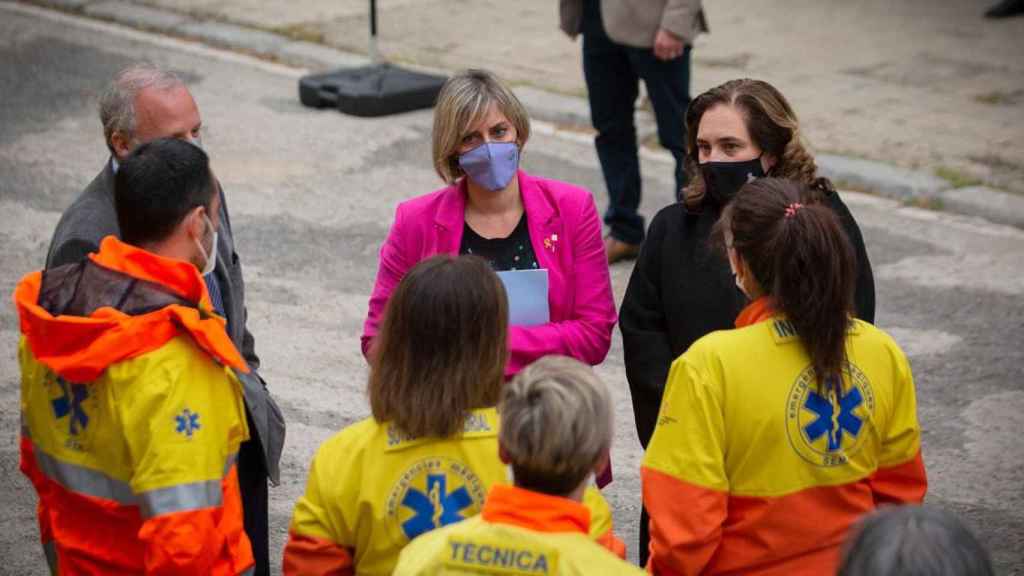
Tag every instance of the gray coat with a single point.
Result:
(92, 217)
(636, 22)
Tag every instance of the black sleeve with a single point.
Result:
(71, 251)
(645, 339)
(249, 347)
(864, 291)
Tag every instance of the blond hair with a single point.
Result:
(463, 101)
(556, 424)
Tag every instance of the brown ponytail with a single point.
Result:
(799, 254)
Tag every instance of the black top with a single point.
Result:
(682, 289)
(513, 252)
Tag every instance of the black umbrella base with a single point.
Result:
(375, 90)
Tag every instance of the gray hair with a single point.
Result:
(117, 104)
(912, 541)
(556, 424)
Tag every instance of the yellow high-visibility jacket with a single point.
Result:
(754, 468)
(372, 489)
(131, 418)
(517, 532)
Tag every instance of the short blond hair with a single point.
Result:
(463, 101)
(556, 424)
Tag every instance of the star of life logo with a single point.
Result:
(825, 425)
(434, 492)
(187, 423)
(69, 405)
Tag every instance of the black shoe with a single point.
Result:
(1005, 9)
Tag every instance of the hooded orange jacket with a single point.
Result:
(131, 417)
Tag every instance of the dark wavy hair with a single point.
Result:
(799, 254)
(772, 125)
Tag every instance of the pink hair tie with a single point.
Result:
(792, 208)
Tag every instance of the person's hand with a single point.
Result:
(667, 45)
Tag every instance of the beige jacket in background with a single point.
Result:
(635, 22)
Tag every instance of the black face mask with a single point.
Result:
(722, 180)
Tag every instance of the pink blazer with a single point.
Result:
(566, 235)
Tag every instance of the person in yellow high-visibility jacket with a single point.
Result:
(556, 430)
(429, 454)
(131, 414)
(774, 438)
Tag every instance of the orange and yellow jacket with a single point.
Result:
(131, 417)
(754, 469)
(517, 532)
(372, 489)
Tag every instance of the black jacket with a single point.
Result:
(682, 289)
(92, 217)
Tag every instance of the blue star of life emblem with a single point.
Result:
(436, 507)
(832, 422)
(188, 422)
(70, 402)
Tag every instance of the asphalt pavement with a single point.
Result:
(919, 100)
(312, 194)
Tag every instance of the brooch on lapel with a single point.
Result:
(549, 242)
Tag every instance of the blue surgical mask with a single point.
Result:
(492, 165)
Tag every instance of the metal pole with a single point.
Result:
(374, 54)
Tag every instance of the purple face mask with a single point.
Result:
(491, 164)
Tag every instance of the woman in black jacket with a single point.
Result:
(681, 288)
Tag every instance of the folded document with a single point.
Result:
(527, 296)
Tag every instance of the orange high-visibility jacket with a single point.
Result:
(131, 417)
(754, 469)
(517, 532)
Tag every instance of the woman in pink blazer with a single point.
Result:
(514, 220)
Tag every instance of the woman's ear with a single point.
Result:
(503, 455)
(768, 161)
(734, 260)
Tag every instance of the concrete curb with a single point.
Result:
(561, 110)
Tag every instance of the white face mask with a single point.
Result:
(735, 276)
(739, 285)
(211, 257)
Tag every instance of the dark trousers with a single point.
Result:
(644, 551)
(252, 483)
(613, 73)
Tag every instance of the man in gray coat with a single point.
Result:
(625, 41)
(144, 103)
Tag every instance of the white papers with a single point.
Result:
(527, 296)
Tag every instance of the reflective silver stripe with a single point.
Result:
(91, 482)
(180, 498)
(249, 572)
(50, 550)
(84, 480)
(232, 458)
